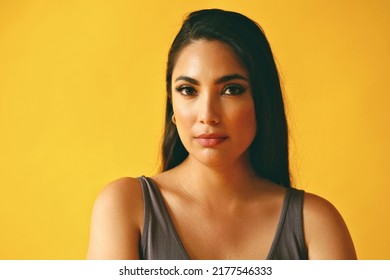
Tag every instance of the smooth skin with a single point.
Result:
(214, 197)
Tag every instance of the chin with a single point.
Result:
(215, 159)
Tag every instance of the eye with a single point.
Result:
(233, 90)
(186, 90)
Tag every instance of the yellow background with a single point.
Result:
(82, 102)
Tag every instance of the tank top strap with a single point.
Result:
(289, 242)
(159, 239)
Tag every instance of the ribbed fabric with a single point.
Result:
(159, 240)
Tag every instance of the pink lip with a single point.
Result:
(210, 140)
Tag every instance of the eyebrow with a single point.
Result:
(223, 79)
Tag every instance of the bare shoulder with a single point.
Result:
(116, 221)
(326, 233)
(123, 193)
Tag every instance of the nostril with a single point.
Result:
(209, 121)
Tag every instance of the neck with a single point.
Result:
(232, 182)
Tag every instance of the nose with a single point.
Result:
(209, 109)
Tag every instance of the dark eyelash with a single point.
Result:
(180, 89)
(238, 88)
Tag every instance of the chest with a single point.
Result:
(180, 231)
(246, 233)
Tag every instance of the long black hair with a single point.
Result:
(269, 151)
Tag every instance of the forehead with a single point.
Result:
(205, 58)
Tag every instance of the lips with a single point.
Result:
(210, 140)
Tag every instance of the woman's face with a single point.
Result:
(212, 103)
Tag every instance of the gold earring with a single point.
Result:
(173, 119)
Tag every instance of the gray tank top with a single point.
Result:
(160, 241)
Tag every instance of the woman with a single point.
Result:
(225, 191)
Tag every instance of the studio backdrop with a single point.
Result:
(82, 103)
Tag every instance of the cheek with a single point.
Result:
(184, 117)
(245, 120)
(181, 112)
